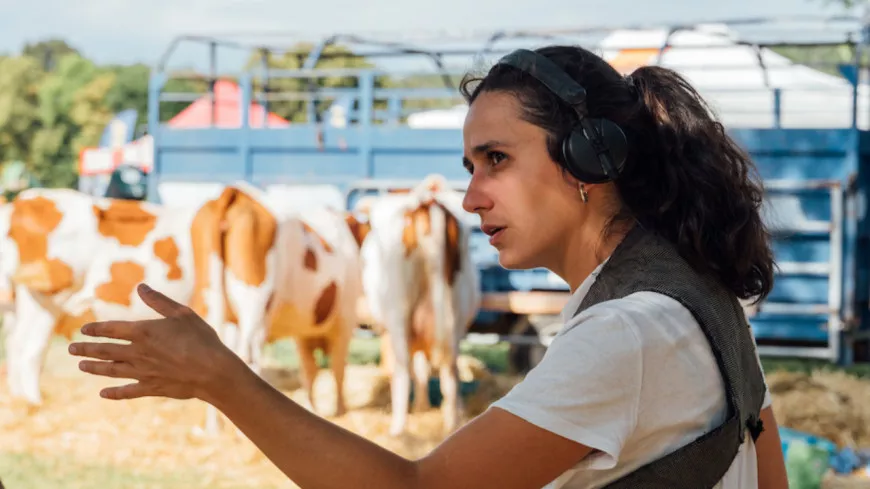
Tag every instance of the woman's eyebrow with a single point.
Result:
(484, 147)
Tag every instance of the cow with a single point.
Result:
(422, 291)
(47, 238)
(72, 258)
(264, 273)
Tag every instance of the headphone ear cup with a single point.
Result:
(581, 156)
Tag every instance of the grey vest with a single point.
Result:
(644, 261)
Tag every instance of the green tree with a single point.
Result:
(54, 157)
(129, 90)
(89, 111)
(48, 52)
(20, 77)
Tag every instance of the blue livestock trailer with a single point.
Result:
(356, 131)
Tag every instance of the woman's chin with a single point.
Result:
(511, 260)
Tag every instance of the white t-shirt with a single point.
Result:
(634, 378)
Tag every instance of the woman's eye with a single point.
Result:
(496, 157)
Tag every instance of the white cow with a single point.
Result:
(283, 275)
(423, 289)
(74, 258)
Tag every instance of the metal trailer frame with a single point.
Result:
(818, 311)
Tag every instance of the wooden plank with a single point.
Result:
(515, 302)
(525, 302)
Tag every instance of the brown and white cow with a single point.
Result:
(274, 275)
(73, 258)
(422, 288)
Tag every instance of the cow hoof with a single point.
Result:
(396, 431)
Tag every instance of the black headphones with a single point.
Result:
(596, 149)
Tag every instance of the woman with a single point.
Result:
(631, 378)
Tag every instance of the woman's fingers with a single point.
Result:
(160, 303)
(129, 391)
(102, 351)
(115, 370)
(117, 330)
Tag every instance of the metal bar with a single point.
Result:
(795, 309)
(777, 107)
(405, 48)
(835, 283)
(366, 110)
(480, 339)
(805, 227)
(805, 268)
(265, 62)
(857, 63)
(314, 54)
(821, 352)
(212, 80)
(244, 125)
(460, 70)
(389, 184)
(791, 185)
(155, 85)
(490, 339)
(179, 97)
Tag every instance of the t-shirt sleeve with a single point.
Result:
(586, 388)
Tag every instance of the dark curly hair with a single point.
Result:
(684, 177)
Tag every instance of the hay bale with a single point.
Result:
(156, 434)
(834, 405)
(489, 387)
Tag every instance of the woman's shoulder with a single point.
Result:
(660, 332)
(636, 315)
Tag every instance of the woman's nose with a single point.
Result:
(475, 200)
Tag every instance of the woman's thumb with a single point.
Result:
(159, 302)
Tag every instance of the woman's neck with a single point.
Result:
(585, 250)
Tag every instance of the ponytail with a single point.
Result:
(694, 185)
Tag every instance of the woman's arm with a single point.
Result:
(495, 450)
(182, 357)
(768, 452)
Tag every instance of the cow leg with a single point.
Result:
(387, 359)
(29, 342)
(250, 305)
(11, 354)
(451, 403)
(228, 334)
(258, 346)
(338, 349)
(307, 364)
(421, 385)
(400, 388)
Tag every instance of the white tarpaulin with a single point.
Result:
(728, 75)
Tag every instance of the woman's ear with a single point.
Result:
(570, 180)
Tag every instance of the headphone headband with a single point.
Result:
(548, 73)
(596, 150)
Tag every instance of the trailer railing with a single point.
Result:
(364, 130)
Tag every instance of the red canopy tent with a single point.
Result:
(227, 111)
(197, 115)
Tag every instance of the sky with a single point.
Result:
(124, 31)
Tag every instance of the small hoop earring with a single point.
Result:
(583, 195)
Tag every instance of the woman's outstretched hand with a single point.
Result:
(179, 356)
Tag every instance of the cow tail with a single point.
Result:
(210, 257)
(442, 298)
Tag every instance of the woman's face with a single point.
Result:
(527, 204)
